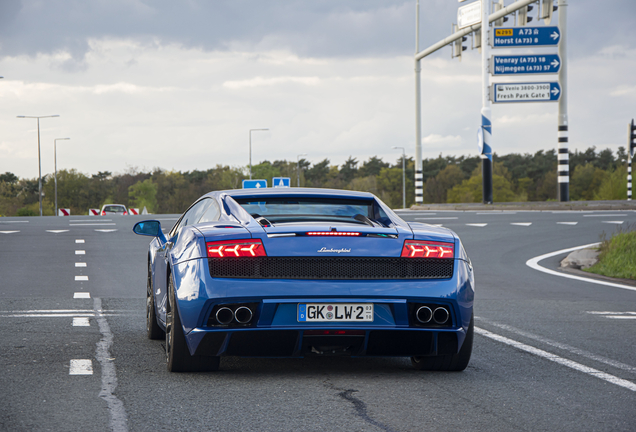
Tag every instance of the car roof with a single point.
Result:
(298, 192)
(120, 205)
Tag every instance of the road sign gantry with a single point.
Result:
(530, 64)
(512, 37)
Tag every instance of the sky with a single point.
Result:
(178, 85)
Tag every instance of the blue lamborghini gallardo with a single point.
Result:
(306, 272)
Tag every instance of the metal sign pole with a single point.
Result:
(563, 167)
(419, 183)
(486, 123)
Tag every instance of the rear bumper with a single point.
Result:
(294, 343)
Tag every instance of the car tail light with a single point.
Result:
(427, 249)
(125, 213)
(235, 248)
(103, 213)
(333, 233)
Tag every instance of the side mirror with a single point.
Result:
(150, 228)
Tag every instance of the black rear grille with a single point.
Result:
(331, 268)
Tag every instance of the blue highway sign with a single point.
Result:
(254, 184)
(526, 37)
(525, 64)
(281, 182)
(525, 92)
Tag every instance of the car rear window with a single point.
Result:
(305, 209)
(117, 209)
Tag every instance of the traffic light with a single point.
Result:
(523, 15)
(458, 48)
(547, 8)
(476, 37)
(632, 139)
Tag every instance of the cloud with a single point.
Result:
(260, 82)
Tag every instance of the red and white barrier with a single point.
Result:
(133, 211)
(93, 212)
(64, 212)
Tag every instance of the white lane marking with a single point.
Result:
(620, 317)
(80, 264)
(87, 224)
(81, 322)
(118, 419)
(1, 222)
(57, 231)
(9, 232)
(605, 215)
(534, 264)
(526, 224)
(44, 315)
(562, 346)
(80, 252)
(81, 278)
(407, 212)
(480, 225)
(90, 220)
(496, 213)
(47, 311)
(79, 241)
(560, 360)
(434, 218)
(81, 367)
(567, 223)
(105, 230)
(572, 211)
(614, 222)
(610, 313)
(79, 295)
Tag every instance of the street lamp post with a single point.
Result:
(39, 158)
(298, 167)
(55, 158)
(264, 129)
(403, 176)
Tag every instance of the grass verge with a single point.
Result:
(618, 255)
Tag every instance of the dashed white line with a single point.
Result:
(81, 278)
(525, 224)
(81, 295)
(88, 224)
(89, 220)
(81, 367)
(567, 223)
(81, 322)
(57, 231)
(9, 232)
(79, 241)
(80, 252)
(434, 218)
(560, 360)
(1, 222)
(496, 213)
(80, 264)
(614, 222)
(106, 230)
(480, 225)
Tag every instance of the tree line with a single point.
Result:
(594, 175)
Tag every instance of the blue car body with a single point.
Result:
(310, 264)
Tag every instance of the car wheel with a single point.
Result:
(178, 356)
(152, 328)
(456, 362)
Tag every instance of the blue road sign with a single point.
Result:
(254, 184)
(525, 64)
(526, 37)
(281, 182)
(525, 92)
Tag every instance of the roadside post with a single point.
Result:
(631, 150)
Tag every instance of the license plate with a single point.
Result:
(335, 312)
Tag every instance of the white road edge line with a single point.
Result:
(118, 420)
(534, 264)
(81, 322)
(562, 346)
(560, 360)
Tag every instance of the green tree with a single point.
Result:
(316, 176)
(613, 186)
(585, 181)
(373, 166)
(435, 189)
(143, 194)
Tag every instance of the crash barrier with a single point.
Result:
(133, 211)
(93, 212)
(64, 212)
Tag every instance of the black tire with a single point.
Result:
(453, 363)
(178, 358)
(153, 331)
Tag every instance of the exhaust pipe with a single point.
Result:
(224, 315)
(440, 316)
(243, 315)
(424, 314)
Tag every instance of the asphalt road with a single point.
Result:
(551, 353)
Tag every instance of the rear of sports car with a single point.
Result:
(324, 275)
